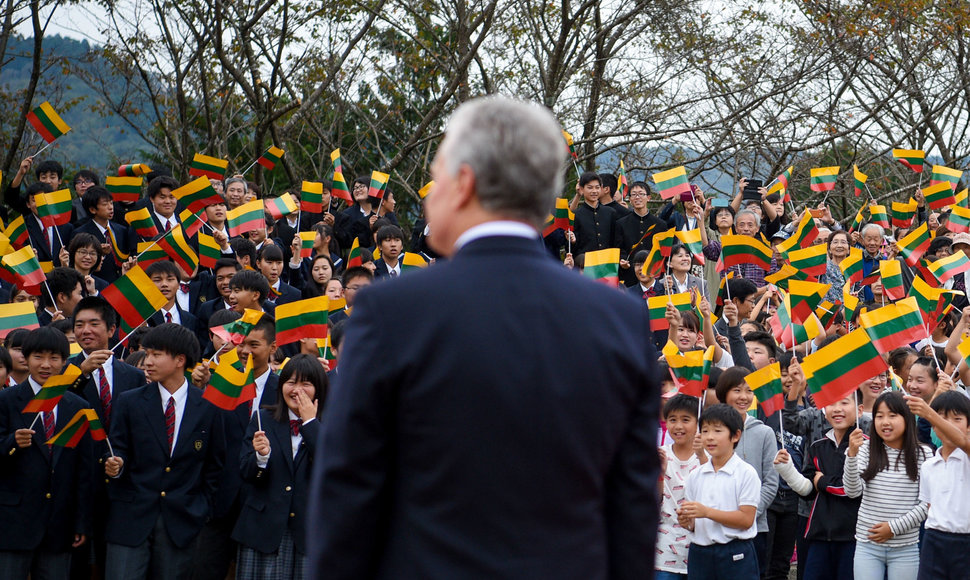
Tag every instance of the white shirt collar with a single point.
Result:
(101, 229)
(180, 396)
(496, 228)
(34, 384)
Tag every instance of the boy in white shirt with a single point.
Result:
(721, 503)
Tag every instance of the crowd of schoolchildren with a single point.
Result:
(867, 487)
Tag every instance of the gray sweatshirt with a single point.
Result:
(758, 447)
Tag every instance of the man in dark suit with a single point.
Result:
(269, 262)
(453, 466)
(103, 378)
(45, 491)
(100, 208)
(46, 241)
(169, 449)
(165, 276)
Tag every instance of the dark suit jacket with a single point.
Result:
(287, 294)
(276, 495)
(450, 466)
(188, 320)
(236, 422)
(39, 241)
(124, 378)
(44, 498)
(110, 271)
(181, 487)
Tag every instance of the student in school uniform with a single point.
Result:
(47, 241)
(103, 378)
(248, 290)
(165, 275)
(276, 463)
(99, 206)
(169, 449)
(945, 549)
(720, 504)
(269, 261)
(45, 491)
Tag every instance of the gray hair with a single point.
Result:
(231, 180)
(747, 212)
(515, 150)
(876, 227)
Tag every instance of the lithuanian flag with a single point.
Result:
(736, 250)
(52, 391)
(562, 217)
(691, 370)
(177, 248)
(786, 330)
(17, 315)
(72, 433)
(653, 266)
(850, 302)
(209, 251)
(891, 272)
(603, 266)
(570, 145)
(246, 218)
(927, 297)
(302, 319)
(939, 195)
(426, 189)
(914, 244)
(721, 290)
(378, 184)
(412, 261)
(240, 328)
(781, 185)
(311, 197)
(229, 386)
(133, 170)
(860, 180)
(135, 298)
(912, 158)
(836, 370)
(117, 252)
(354, 257)
(805, 297)
(894, 325)
(943, 174)
(271, 157)
(784, 275)
(197, 195)
(823, 178)
(47, 122)
(664, 242)
(124, 189)
(959, 220)
(141, 221)
(857, 221)
(944, 268)
(692, 239)
(54, 209)
(340, 190)
(825, 313)
(878, 215)
(338, 165)
(16, 232)
(306, 243)
(904, 213)
(802, 237)
(672, 183)
(621, 181)
(851, 266)
(24, 266)
(765, 384)
(209, 167)
(658, 308)
(963, 198)
(812, 260)
(192, 222)
(325, 351)
(148, 253)
(281, 206)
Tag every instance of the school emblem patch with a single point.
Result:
(198, 445)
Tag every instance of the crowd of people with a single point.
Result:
(864, 487)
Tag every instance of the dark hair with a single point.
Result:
(267, 324)
(156, 185)
(690, 320)
(46, 339)
(337, 333)
(83, 240)
(589, 177)
(641, 184)
(764, 339)
(640, 257)
(33, 189)
(243, 247)
(15, 338)
(937, 244)
(223, 316)
(301, 367)
(49, 166)
(173, 339)
(740, 288)
(722, 414)
(712, 221)
(135, 358)
(389, 232)
(86, 174)
(270, 253)
(898, 356)
(270, 222)
(227, 263)
(92, 197)
(878, 459)
(311, 289)
(5, 360)
(773, 197)
(951, 402)
(162, 267)
(930, 364)
(356, 272)
(609, 181)
(251, 280)
(729, 379)
(158, 171)
(681, 402)
(64, 325)
(378, 224)
(100, 306)
(61, 280)
(135, 337)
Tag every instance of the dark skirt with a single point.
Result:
(283, 564)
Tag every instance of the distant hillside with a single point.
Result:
(97, 139)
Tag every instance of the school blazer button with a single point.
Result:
(48, 496)
(292, 515)
(288, 488)
(163, 494)
(168, 470)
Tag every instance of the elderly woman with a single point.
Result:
(838, 250)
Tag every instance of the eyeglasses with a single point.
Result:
(638, 194)
(83, 181)
(89, 253)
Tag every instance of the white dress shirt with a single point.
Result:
(108, 369)
(180, 396)
(734, 485)
(260, 386)
(176, 319)
(943, 485)
(496, 228)
(36, 387)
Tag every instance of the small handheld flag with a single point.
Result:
(209, 167)
(912, 158)
(378, 184)
(54, 388)
(272, 156)
(47, 122)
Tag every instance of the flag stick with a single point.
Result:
(215, 356)
(929, 340)
(245, 171)
(259, 421)
(34, 421)
(700, 408)
(781, 427)
(50, 295)
(956, 371)
(110, 450)
(42, 149)
(122, 341)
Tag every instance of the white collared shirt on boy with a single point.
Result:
(943, 485)
(734, 485)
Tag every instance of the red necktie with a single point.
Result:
(49, 428)
(105, 391)
(170, 422)
(168, 317)
(167, 226)
(295, 426)
(184, 287)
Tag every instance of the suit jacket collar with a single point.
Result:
(511, 246)
(284, 444)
